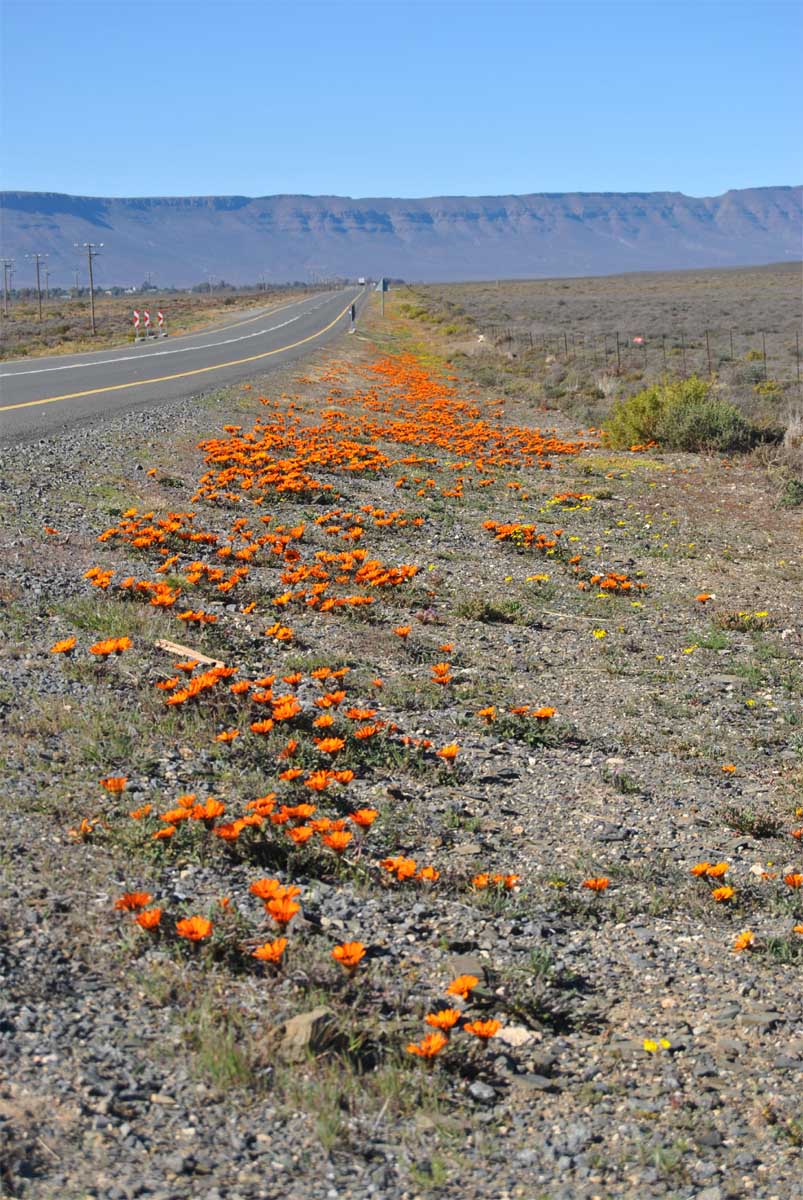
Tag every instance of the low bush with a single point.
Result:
(683, 415)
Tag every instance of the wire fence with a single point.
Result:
(761, 356)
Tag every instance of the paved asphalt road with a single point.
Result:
(40, 396)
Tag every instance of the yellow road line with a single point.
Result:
(235, 362)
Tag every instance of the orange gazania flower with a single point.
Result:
(338, 840)
(143, 811)
(330, 745)
(462, 986)
(797, 929)
(444, 1019)
(487, 714)
(228, 735)
(728, 768)
(724, 893)
(596, 885)
(402, 631)
(64, 646)
(744, 941)
(429, 1046)
(717, 870)
(300, 834)
(283, 909)
(131, 901)
(448, 753)
(114, 783)
(700, 868)
(194, 929)
(702, 597)
(793, 880)
(483, 1029)
(261, 726)
(402, 868)
(271, 951)
(149, 918)
(349, 955)
(163, 834)
(364, 817)
(265, 889)
(428, 874)
(543, 714)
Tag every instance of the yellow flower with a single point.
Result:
(599, 633)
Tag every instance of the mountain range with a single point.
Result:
(181, 241)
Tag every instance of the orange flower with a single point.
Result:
(701, 868)
(265, 889)
(429, 1046)
(64, 646)
(162, 834)
(744, 941)
(596, 885)
(724, 893)
(209, 811)
(330, 745)
(717, 870)
(488, 714)
(444, 1019)
(271, 951)
(481, 881)
(283, 909)
(702, 597)
(195, 929)
(338, 840)
(428, 874)
(227, 735)
(349, 955)
(483, 1029)
(261, 726)
(324, 721)
(793, 881)
(318, 781)
(402, 631)
(131, 901)
(543, 714)
(462, 986)
(114, 783)
(728, 768)
(797, 929)
(448, 753)
(149, 918)
(300, 834)
(364, 817)
(402, 868)
(143, 811)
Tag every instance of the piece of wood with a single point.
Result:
(187, 652)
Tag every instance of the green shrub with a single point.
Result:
(682, 415)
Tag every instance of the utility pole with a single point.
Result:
(37, 258)
(93, 249)
(8, 266)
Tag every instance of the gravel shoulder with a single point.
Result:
(639, 1053)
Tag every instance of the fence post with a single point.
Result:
(764, 352)
(618, 354)
(565, 344)
(663, 348)
(683, 352)
(797, 358)
(731, 333)
(708, 351)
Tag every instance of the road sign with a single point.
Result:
(160, 317)
(147, 317)
(136, 318)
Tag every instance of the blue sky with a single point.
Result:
(399, 97)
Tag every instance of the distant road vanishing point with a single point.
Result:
(42, 395)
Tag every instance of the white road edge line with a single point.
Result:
(105, 362)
